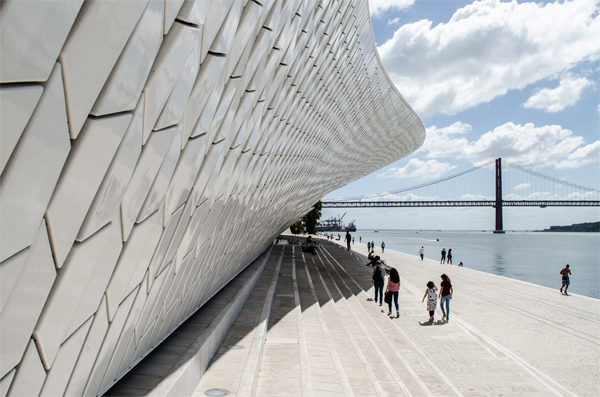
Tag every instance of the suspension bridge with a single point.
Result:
(528, 189)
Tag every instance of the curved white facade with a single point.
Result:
(152, 149)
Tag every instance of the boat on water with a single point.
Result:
(335, 224)
(351, 227)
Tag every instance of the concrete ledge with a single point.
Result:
(186, 372)
(193, 363)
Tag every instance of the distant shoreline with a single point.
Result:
(592, 227)
(552, 229)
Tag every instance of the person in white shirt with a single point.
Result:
(422, 252)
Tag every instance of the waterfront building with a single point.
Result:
(152, 149)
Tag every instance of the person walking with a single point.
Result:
(378, 280)
(352, 240)
(422, 252)
(382, 247)
(445, 296)
(449, 256)
(443, 260)
(348, 239)
(566, 272)
(431, 295)
(360, 239)
(393, 287)
(368, 246)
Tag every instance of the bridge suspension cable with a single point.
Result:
(423, 185)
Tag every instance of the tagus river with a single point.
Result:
(535, 257)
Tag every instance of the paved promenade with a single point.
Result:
(324, 337)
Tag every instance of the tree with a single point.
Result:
(311, 219)
(296, 228)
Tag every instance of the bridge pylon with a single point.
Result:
(498, 204)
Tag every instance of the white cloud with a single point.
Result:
(393, 21)
(588, 154)
(488, 48)
(418, 169)
(554, 100)
(379, 7)
(525, 145)
(522, 186)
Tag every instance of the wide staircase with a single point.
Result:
(311, 328)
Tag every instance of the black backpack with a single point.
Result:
(377, 276)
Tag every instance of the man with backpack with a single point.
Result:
(378, 281)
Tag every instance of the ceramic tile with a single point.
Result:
(108, 346)
(144, 173)
(171, 10)
(209, 78)
(88, 354)
(222, 42)
(108, 198)
(128, 262)
(5, 382)
(180, 186)
(34, 169)
(91, 51)
(147, 253)
(142, 324)
(209, 170)
(67, 290)
(30, 375)
(175, 105)
(98, 281)
(81, 177)
(192, 232)
(17, 104)
(223, 116)
(26, 300)
(125, 337)
(194, 11)
(165, 239)
(167, 68)
(245, 32)
(126, 80)
(179, 231)
(32, 36)
(9, 273)
(156, 195)
(217, 13)
(60, 373)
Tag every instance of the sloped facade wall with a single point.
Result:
(152, 149)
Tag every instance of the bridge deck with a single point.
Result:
(324, 337)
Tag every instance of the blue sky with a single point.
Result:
(517, 80)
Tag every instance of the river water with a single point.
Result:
(534, 257)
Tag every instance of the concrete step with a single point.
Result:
(235, 366)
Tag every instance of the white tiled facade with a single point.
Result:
(152, 149)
